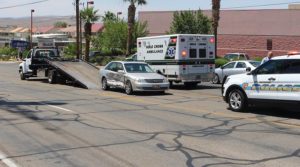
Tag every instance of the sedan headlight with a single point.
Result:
(140, 80)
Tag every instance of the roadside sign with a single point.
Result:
(19, 44)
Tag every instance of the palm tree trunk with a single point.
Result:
(216, 4)
(131, 19)
(88, 33)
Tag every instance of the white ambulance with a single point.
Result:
(187, 58)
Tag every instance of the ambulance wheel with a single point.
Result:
(52, 77)
(216, 79)
(190, 85)
(128, 88)
(237, 100)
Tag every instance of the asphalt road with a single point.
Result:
(43, 125)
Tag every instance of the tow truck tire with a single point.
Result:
(104, 84)
(128, 88)
(52, 77)
(22, 75)
(237, 101)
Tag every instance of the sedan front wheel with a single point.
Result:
(128, 88)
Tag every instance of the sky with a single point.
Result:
(66, 7)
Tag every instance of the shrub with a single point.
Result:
(220, 62)
(103, 60)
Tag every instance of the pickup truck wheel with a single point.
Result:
(52, 77)
(128, 88)
(104, 84)
(22, 75)
(237, 100)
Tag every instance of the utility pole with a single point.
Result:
(77, 30)
(31, 20)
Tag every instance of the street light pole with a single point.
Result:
(77, 30)
(118, 13)
(31, 46)
(89, 2)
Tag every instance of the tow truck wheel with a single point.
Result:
(52, 77)
(22, 75)
(104, 84)
(128, 88)
(237, 100)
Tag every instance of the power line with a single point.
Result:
(20, 5)
(263, 5)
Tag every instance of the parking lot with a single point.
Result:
(61, 125)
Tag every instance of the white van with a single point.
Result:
(187, 58)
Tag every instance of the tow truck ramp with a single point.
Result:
(83, 73)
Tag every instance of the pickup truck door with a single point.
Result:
(28, 62)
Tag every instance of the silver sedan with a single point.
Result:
(234, 67)
(132, 76)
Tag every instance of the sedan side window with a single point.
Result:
(120, 66)
(241, 65)
(112, 67)
(229, 65)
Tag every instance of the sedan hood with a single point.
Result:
(145, 76)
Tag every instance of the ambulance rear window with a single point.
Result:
(193, 53)
(202, 53)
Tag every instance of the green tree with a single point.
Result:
(190, 22)
(109, 16)
(131, 21)
(60, 24)
(216, 4)
(114, 37)
(89, 15)
(70, 50)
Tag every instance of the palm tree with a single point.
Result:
(131, 20)
(89, 16)
(216, 4)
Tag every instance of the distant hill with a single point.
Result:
(37, 21)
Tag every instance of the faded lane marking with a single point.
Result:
(7, 161)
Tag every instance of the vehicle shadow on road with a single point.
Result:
(198, 87)
(290, 113)
(118, 90)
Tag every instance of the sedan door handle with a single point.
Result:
(272, 79)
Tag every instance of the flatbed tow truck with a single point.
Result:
(46, 61)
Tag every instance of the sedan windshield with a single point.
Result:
(255, 63)
(138, 68)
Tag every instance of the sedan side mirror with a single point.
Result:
(121, 71)
(248, 69)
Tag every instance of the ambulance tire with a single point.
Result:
(237, 100)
